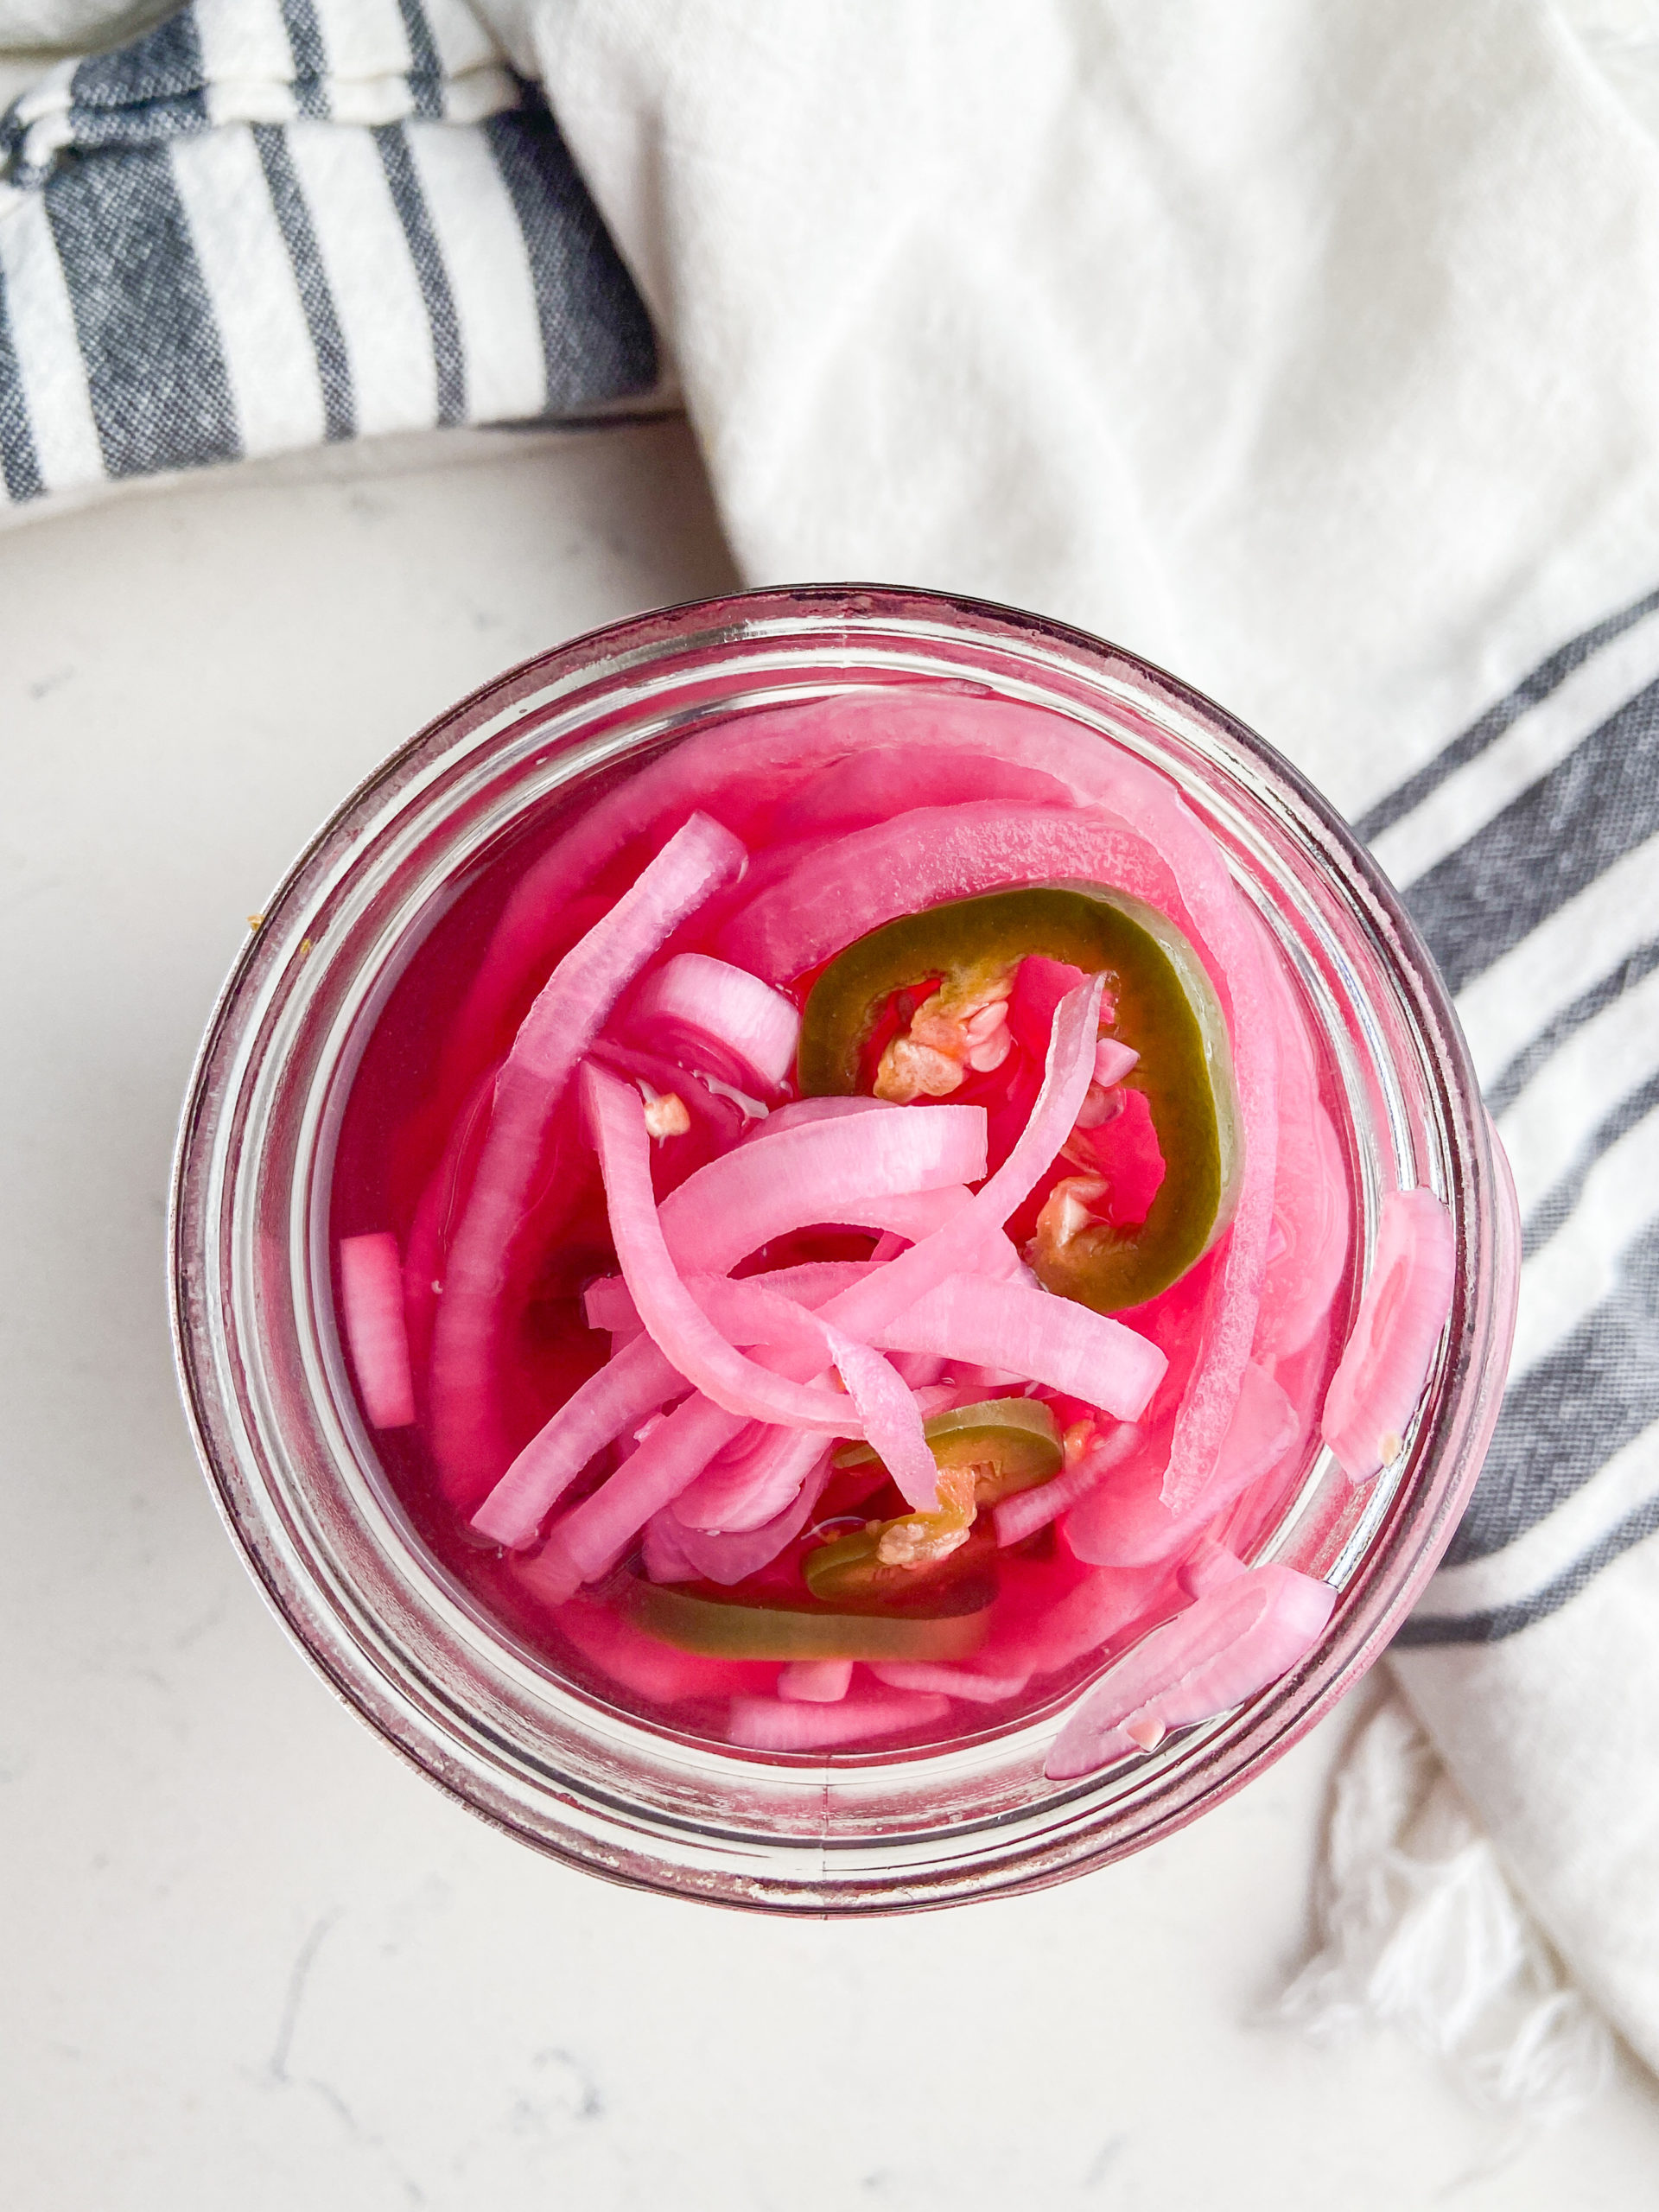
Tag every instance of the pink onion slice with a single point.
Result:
(889, 1418)
(1311, 1210)
(1127, 1523)
(681, 1330)
(1240, 1636)
(816, 1681)
(1107, 1605)
(887, 780)
(710, 998)
(813, 1174)
(747, 1310)
(768, 1724)
(1113, 1061)
(932, 1676)
(964, 1241)
(588, 1540)
(372, 1301)
(1028, 1510)
(632, 1383)
(1208, 1565)
(743, 1490)
(840, 891)
(1402, 1310)
(727, 1557)
(799, 1111)
(554, 1035)
(1049, 1340)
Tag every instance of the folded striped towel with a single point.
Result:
(1287, 349)
(266, 225)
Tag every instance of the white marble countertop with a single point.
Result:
(251, 1959)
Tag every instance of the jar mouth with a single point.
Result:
(297, 1475)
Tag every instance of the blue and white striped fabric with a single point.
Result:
(272, 223)
(1529, 852)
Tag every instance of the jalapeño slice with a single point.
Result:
(1164, 1007)
(945, 1621)
(1010, 1444)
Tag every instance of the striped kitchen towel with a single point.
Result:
(1309, 351)
(269, 223)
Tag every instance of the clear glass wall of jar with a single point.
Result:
(294, 1469)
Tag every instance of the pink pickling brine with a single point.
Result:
(847, 1243)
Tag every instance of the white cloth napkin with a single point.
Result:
(1310, 349)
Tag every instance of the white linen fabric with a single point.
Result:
(1308, 348)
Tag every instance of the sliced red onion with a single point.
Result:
(840, 891)
(592, 1536)
(813, 1174)
(1113, 1061)
(1028, 1510)
(731, 1556)
(768, 1724)
(869, 786)
(749, 1485)
(889, 1418)
(1127, 1523)
(372, 1304)
(1208, 1565)
(816, 1681)
(1107, 1605)
(1407, 1298)
(632, 1383)
(710, 998)
(799, 1111)
(934, 1677)
(1311, 1210)
(1241, 1635)
(747, 1310)
(681, 1329)
(1049, 1340)
(550, 1043)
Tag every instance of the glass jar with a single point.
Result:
(296, 1470)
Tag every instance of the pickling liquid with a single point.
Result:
(409, 1143)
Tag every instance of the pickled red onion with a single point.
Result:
(674, 1321)
(766, 1723)
(1028, 1510)
(798, 1111)
(813, 1173)
(554, 1034)
(1050, 1340)
(854, 884)
(1127, 1523)
(943, 1680)
(372, 1304)
(749, 1485)
(1408, 1295)
(731, 1554)
(588, 1540)
(1235, 1639)
(713, 999)
(633, 1382)
(885, 779)
(816, 1681)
